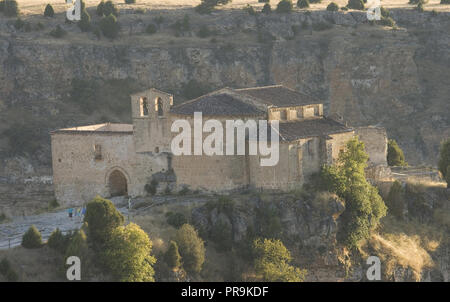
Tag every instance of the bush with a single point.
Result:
(152, 187)
(128, 255)
(272, 262)
(52, 204)
(284, 6)
(176, 219)
(387, 21)
(395, 155)
(3, 217)
(182, 26)
(32, 238)
(204, 32)
(267, 9)
(395, 200)
(315, 1)
(107, 8)
(10, 8)
(130, 1)
(332, 7)
(151, 29)
(58, 241)
(48, 11)
(355, 4)
(85, 21)
(109, 26)
(172, 256)
(364, 206)
(303, 3)
(191, 248)
(444, 161)
(78, 246)
(58, 32)
(207, 6)
(7, 271)
(250, 10)
(102, 218)
(263, 1)
(420, 8)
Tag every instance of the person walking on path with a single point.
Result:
(70, 212)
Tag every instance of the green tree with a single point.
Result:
(78, 247)
(284, 6)
(102, 218)
(10, 8)
(109, 26)
(395, 200)
(272, 262)
(364, 206)
(130, 1)
(207, 6)
(49, 12)
(444, 161)
(332, 7)
(303, 3)
(191, 247)
(85, 21)
(395, 155)
(355, 4)
(267, 9)
(128, 255)
(172, 256)
(58, 241)
(32, 238)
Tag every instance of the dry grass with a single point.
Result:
(401, 250)
(43, 264)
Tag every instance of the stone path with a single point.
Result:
(11, 233)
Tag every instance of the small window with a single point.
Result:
(144, 106)
(157, 150)
(97, 152)
(159, 106)
(300, 113)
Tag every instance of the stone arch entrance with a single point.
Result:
(117, 183)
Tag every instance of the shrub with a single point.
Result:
(268, 221)
(315, 1)
(176, 219)
(191, 248)
(58, 32)
(263, 1)
(267, 9)
(420, 8)
(355, 4)
(444, 161)
(303, 3)
(284, 6)
(204, 32)
(102, 218)
(416, 1)
(32, 238)
(10, 8)
(395, 200)
(172, 256)
(109, 26)
(107, 8)
(332, 7)
(85, 21)
(364, 206)
(152, 187)
(387, 21)
(48, 11)
(130, 1)
(58, 241)
(207, 6)
(151, 29)
(272, 262)
(250, 10)
(182, 26)
(128, 255)
(344, 8)
(52, 204)
(7, 271)
(78, 246)
(395, 155)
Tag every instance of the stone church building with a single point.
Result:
(127, 159)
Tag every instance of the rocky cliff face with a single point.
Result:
(398, 79)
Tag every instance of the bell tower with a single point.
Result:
(151, 120)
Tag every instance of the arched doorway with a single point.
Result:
(117, 184)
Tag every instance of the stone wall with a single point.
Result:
(375, 143)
